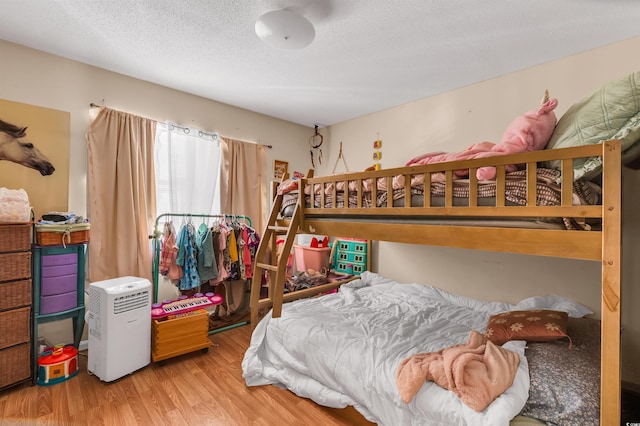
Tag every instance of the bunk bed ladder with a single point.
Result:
(277, 266)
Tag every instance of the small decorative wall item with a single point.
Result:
(377, 154)
(340, 157)
(280, 168)
(315, 142)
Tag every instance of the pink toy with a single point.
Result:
(184, 304)
(529, 132)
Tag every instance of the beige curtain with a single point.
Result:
(122, 204)
(243, 181)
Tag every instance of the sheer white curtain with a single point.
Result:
(187, 165)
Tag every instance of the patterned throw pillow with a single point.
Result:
(533, 326)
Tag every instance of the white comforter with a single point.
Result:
(344, 349)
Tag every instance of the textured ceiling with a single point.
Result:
(368, 55)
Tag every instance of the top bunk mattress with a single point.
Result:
(548, 193)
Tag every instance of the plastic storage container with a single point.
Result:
(58, 283)
(311, 258)
(305, 239)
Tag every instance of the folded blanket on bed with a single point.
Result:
(478, 371)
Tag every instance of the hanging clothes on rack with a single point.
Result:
(163, 241)
(237, 249)
(218, 256)
(207, 265)
(232, 244)
(187, 258)
(169, 253)
(245, 254)
(220, 234)
(248, 241)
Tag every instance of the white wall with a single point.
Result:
(33, 77)
(454, 120)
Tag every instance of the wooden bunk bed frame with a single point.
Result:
(400, 224)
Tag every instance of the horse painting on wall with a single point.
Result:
(34, 154)
(14, 148)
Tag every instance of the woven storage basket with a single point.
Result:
(61, 235)
(15, 294)
(15, 266)
(15, 327)
(15, 237)
(15, 365)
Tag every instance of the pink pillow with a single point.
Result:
(529, 132)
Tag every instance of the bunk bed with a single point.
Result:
(395, 205)
(423, 224)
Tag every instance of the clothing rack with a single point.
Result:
(156, 244)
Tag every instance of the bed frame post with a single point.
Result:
(610, 376)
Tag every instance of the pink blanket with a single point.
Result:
(528, 132)
(478, 371)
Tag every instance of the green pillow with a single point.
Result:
(612, 112)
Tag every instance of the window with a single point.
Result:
(187, 167)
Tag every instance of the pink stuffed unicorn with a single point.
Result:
(529, 132)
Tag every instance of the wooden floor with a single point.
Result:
(194, 389)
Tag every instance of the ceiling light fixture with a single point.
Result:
(285, 29)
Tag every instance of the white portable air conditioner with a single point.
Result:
(119, 320)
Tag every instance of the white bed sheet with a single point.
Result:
(344, 349)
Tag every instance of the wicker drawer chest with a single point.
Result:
(15, 304)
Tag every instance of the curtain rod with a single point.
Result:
(201, 133)
(187, 130)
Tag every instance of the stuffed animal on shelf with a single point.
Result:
(528, 132)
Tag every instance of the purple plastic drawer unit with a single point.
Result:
(59, 259)
(59, 274)
(58, 302)
(57, 285)
(59, 270)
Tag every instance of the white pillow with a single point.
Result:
(556, 303)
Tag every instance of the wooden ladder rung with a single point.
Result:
(265, 302)
(277, 228)
(267, 266)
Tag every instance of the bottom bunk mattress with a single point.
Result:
(344, 349)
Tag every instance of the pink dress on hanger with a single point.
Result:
(246, 254)
(222, 271)
(169, 253)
